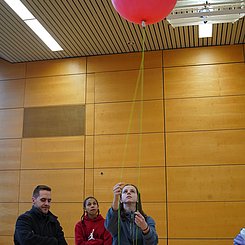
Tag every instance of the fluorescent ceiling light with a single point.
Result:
(205, 30)
(183, 20)
(34, 24)
(188, 13)
(20, 9)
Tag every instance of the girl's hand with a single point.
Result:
(140, 222)
(117, 189)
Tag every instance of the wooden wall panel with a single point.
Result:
(213, 183)
(114, 118)
(23, 207)
(90, 88)
(70, 241)
(12, 93)
(200, 242)
(90, 117)
(122, 85)
(205, 113)
(151, 182)
(203, 55)
(57, 90)
(191, 81)
(12, 71)
(104, 207)
(9, 186)
(205, 148)
(115, 150)
(53, 153)
(158, 212)
(10, 153)
(89, 152)
(208, 80)
(11, 123)
(121, 62)
(62, 183)
(6, 240)
(56, 67)
(232, 79)
(162, 242)
(8, 216)
(89, 183)
(67, 218)
(205, 220)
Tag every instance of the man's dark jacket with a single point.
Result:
(36, 228)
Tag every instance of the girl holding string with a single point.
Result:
(126, 220)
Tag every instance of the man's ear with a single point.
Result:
(33, 200)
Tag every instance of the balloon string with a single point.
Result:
(141, 110)
(119, 223)
(137, 228)
(141, 121)
(139, 80)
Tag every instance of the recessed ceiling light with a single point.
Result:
(131, 43)
(205, 30)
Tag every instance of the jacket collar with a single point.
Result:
(41, 215)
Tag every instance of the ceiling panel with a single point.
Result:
(93, 27)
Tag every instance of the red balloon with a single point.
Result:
(149, 11)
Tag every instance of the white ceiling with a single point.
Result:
(93, 27)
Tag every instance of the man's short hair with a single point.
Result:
(40, 188)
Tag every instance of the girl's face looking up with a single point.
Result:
(129, 194)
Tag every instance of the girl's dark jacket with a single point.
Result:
(36, 228)
(129, 231)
